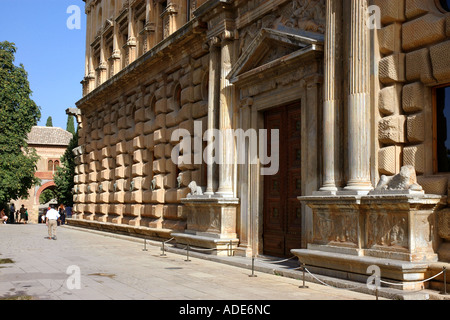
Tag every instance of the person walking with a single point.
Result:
(62, 213)
(22, 213)
(52, 216)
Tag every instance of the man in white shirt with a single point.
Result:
(52, 217)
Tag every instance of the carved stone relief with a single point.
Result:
(306, 15)
(387, 230)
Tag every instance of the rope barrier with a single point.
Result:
(303, 267)
(281, 261)
(412, 282)
(326, 284)
(381, 281)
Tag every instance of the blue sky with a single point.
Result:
(52, 54)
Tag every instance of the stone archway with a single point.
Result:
(42, 188)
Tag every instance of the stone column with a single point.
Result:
(213, 93)
(131, 42)
(332, 97)
(115, 64)
(225, 121)
(359, 100)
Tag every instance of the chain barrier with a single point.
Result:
(302, 267)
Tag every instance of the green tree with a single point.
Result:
(49, 122)
(70, 124)
(46, 196)
(64, 175)
(18, 114)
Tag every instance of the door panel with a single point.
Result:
(282, 210)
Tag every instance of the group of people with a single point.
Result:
(52, 217)
(15, 216)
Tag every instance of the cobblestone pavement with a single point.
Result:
(113, 268)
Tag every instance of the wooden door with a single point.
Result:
(282, 209)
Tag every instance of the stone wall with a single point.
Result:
(124, 172)
(413, 44)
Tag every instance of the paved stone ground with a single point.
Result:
(113, 268)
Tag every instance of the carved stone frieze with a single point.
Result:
(306, 15)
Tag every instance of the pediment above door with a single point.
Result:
(275, 47)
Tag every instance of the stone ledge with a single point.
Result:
(121, 228)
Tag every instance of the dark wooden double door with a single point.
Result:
(282, 209)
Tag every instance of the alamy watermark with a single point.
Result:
(73, 282)
(74, 20)
(251, 147)
(373, 20)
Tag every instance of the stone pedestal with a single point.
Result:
(396, 232)
(211, 224)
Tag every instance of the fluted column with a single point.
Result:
(213, 106)
(359, 100)
(332, 97)
(225, 121)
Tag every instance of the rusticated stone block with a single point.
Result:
(160, 106)
(447, 24)
(199, 109)
(123, 160)
(423, 31)
(414, 8)
(172, 119)
(391, 129)
(389, 160)
(415, 156)
(159, 136)
(159, 151)
(418, 66)
(197, 76)
(187, 95)
(159, 165)
(121, 147)
(444, 223)
(415, 127)
(391, 10)
(412, 98)
(433, 184)
(139, 115)
(141, 155)
(440, 61)
(139, 142)
(389, 38)
(389, 100)
(392, 68)
(185, 112)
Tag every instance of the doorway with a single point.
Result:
(282, 210)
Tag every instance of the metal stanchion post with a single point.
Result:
(145, 245)
(304, 286)
(253, 275)
(445, 281)
(187, 254)
(163, 254)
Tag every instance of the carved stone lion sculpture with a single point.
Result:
(195, 190)
(405, 180)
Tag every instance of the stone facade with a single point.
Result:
(363, 98)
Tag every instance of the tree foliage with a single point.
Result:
(49, 122)
(46, 196)
(18, 114)
(70, 124)
(64, 176)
